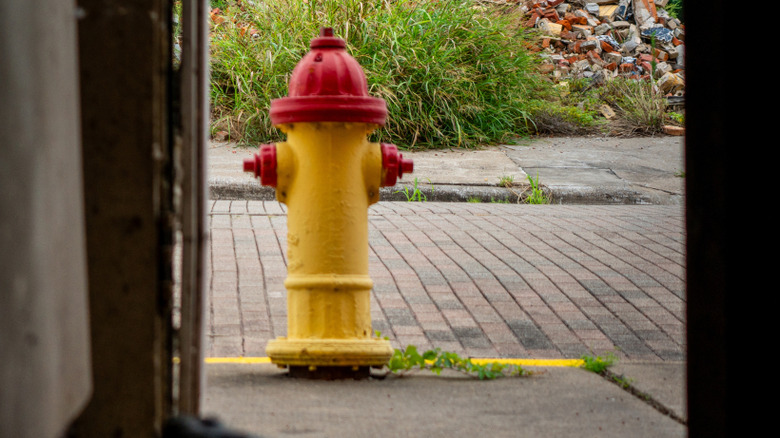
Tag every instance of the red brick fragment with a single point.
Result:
(661, 55)
(594, 57)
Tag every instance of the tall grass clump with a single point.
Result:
(454, 73)
(641, 106)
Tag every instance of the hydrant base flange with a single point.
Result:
(329, 352)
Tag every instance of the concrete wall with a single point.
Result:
(85, 266)
(44, 338)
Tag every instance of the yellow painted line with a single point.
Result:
(250, 360)
(532, 362)
(479, 361)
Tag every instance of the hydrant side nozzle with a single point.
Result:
(263, 165)
(249, 164)
(394, 165)
(405, 165)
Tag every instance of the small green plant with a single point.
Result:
(506, 181)
(473, 200)
(498, 201)
(622, 381)
(598, 364)
(537, 195)
(675, 8)
(415, 194)
(409, 359)
(654, 60)
(676, 117)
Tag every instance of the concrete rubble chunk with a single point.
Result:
(607, 112)
(644, 16)
(620, 25)
(592, 8)
(611, 57)
(602, 29)
(671, 83)
(662, 68)
(597, 2)
(589, 45)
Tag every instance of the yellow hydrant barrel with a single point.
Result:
(328, 174)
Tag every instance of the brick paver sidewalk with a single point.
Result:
(483, 280)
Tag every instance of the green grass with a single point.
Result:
(675, 8)
(415, 194)
(506, 181)
(642, 109)
(454, 73)
(537, 195)
(409, 359)
(565, 117)
(436, 360)
(598, 364)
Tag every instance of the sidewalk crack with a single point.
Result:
(623, 383)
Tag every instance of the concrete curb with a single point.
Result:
(232, 189)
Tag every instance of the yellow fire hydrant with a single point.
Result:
(328, 174)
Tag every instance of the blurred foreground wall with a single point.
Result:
(45, 373)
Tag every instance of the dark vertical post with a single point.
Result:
(124, 59)
(718, 127)
(193, 74)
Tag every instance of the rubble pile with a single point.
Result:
(609, 38)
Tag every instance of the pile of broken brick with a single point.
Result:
(608, 38)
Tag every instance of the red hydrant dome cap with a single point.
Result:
(328, 85)
(326, 39)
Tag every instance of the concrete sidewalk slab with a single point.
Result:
(555, 402)
(599, 170)
(463, 167)
(573, 170)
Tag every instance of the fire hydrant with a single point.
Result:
(327, 173)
